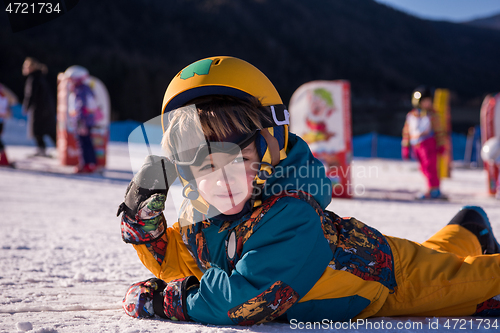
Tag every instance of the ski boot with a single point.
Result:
(4, 162)
(40, 152)
(433, 194)
(474, 219)
(86, 168)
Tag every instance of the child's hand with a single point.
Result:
(148, 224)
(154, 177)
(174, 298)
(155, 297)
(143, 298)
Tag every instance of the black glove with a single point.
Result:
(155, 176)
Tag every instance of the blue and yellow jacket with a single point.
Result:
(287, 259)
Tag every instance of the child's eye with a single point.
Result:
(240, 159)
(207, 167)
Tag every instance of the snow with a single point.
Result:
(64, 267)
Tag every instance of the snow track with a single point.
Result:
(64, 267)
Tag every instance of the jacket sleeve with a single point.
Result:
(167, 257)
(159, 248)
(280, 263)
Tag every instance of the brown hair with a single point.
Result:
(222, 115)
(219, 116)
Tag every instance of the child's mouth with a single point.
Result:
(227, 195)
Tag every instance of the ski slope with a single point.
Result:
(64, 267)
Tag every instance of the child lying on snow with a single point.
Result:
(254, 242)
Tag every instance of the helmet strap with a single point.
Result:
(265, 172)
(191, 192)
(273, 146)
(256, 198)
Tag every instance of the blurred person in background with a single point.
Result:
(82, 102)
(490, 152)
(422, 134)
(5, 105)
(39, 104)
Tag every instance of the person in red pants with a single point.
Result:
(422, 134)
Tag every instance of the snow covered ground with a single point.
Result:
(64, 267)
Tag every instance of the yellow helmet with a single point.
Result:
(234, 77)
(219, 76)
(224, 75)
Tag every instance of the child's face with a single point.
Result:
(27, 67)
(225, 181)
(426, 103)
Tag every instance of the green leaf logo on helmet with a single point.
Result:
(201, 67)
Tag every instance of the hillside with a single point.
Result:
(492, 22)
(136, 47)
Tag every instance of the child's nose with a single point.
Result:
(225, 179)
(226, 176)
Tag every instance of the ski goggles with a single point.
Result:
(184, 138)
(230, 146)
(185, 143)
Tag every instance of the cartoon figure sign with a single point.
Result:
(320, 113)
(490, 127)
(322, 107)
(69, 150)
